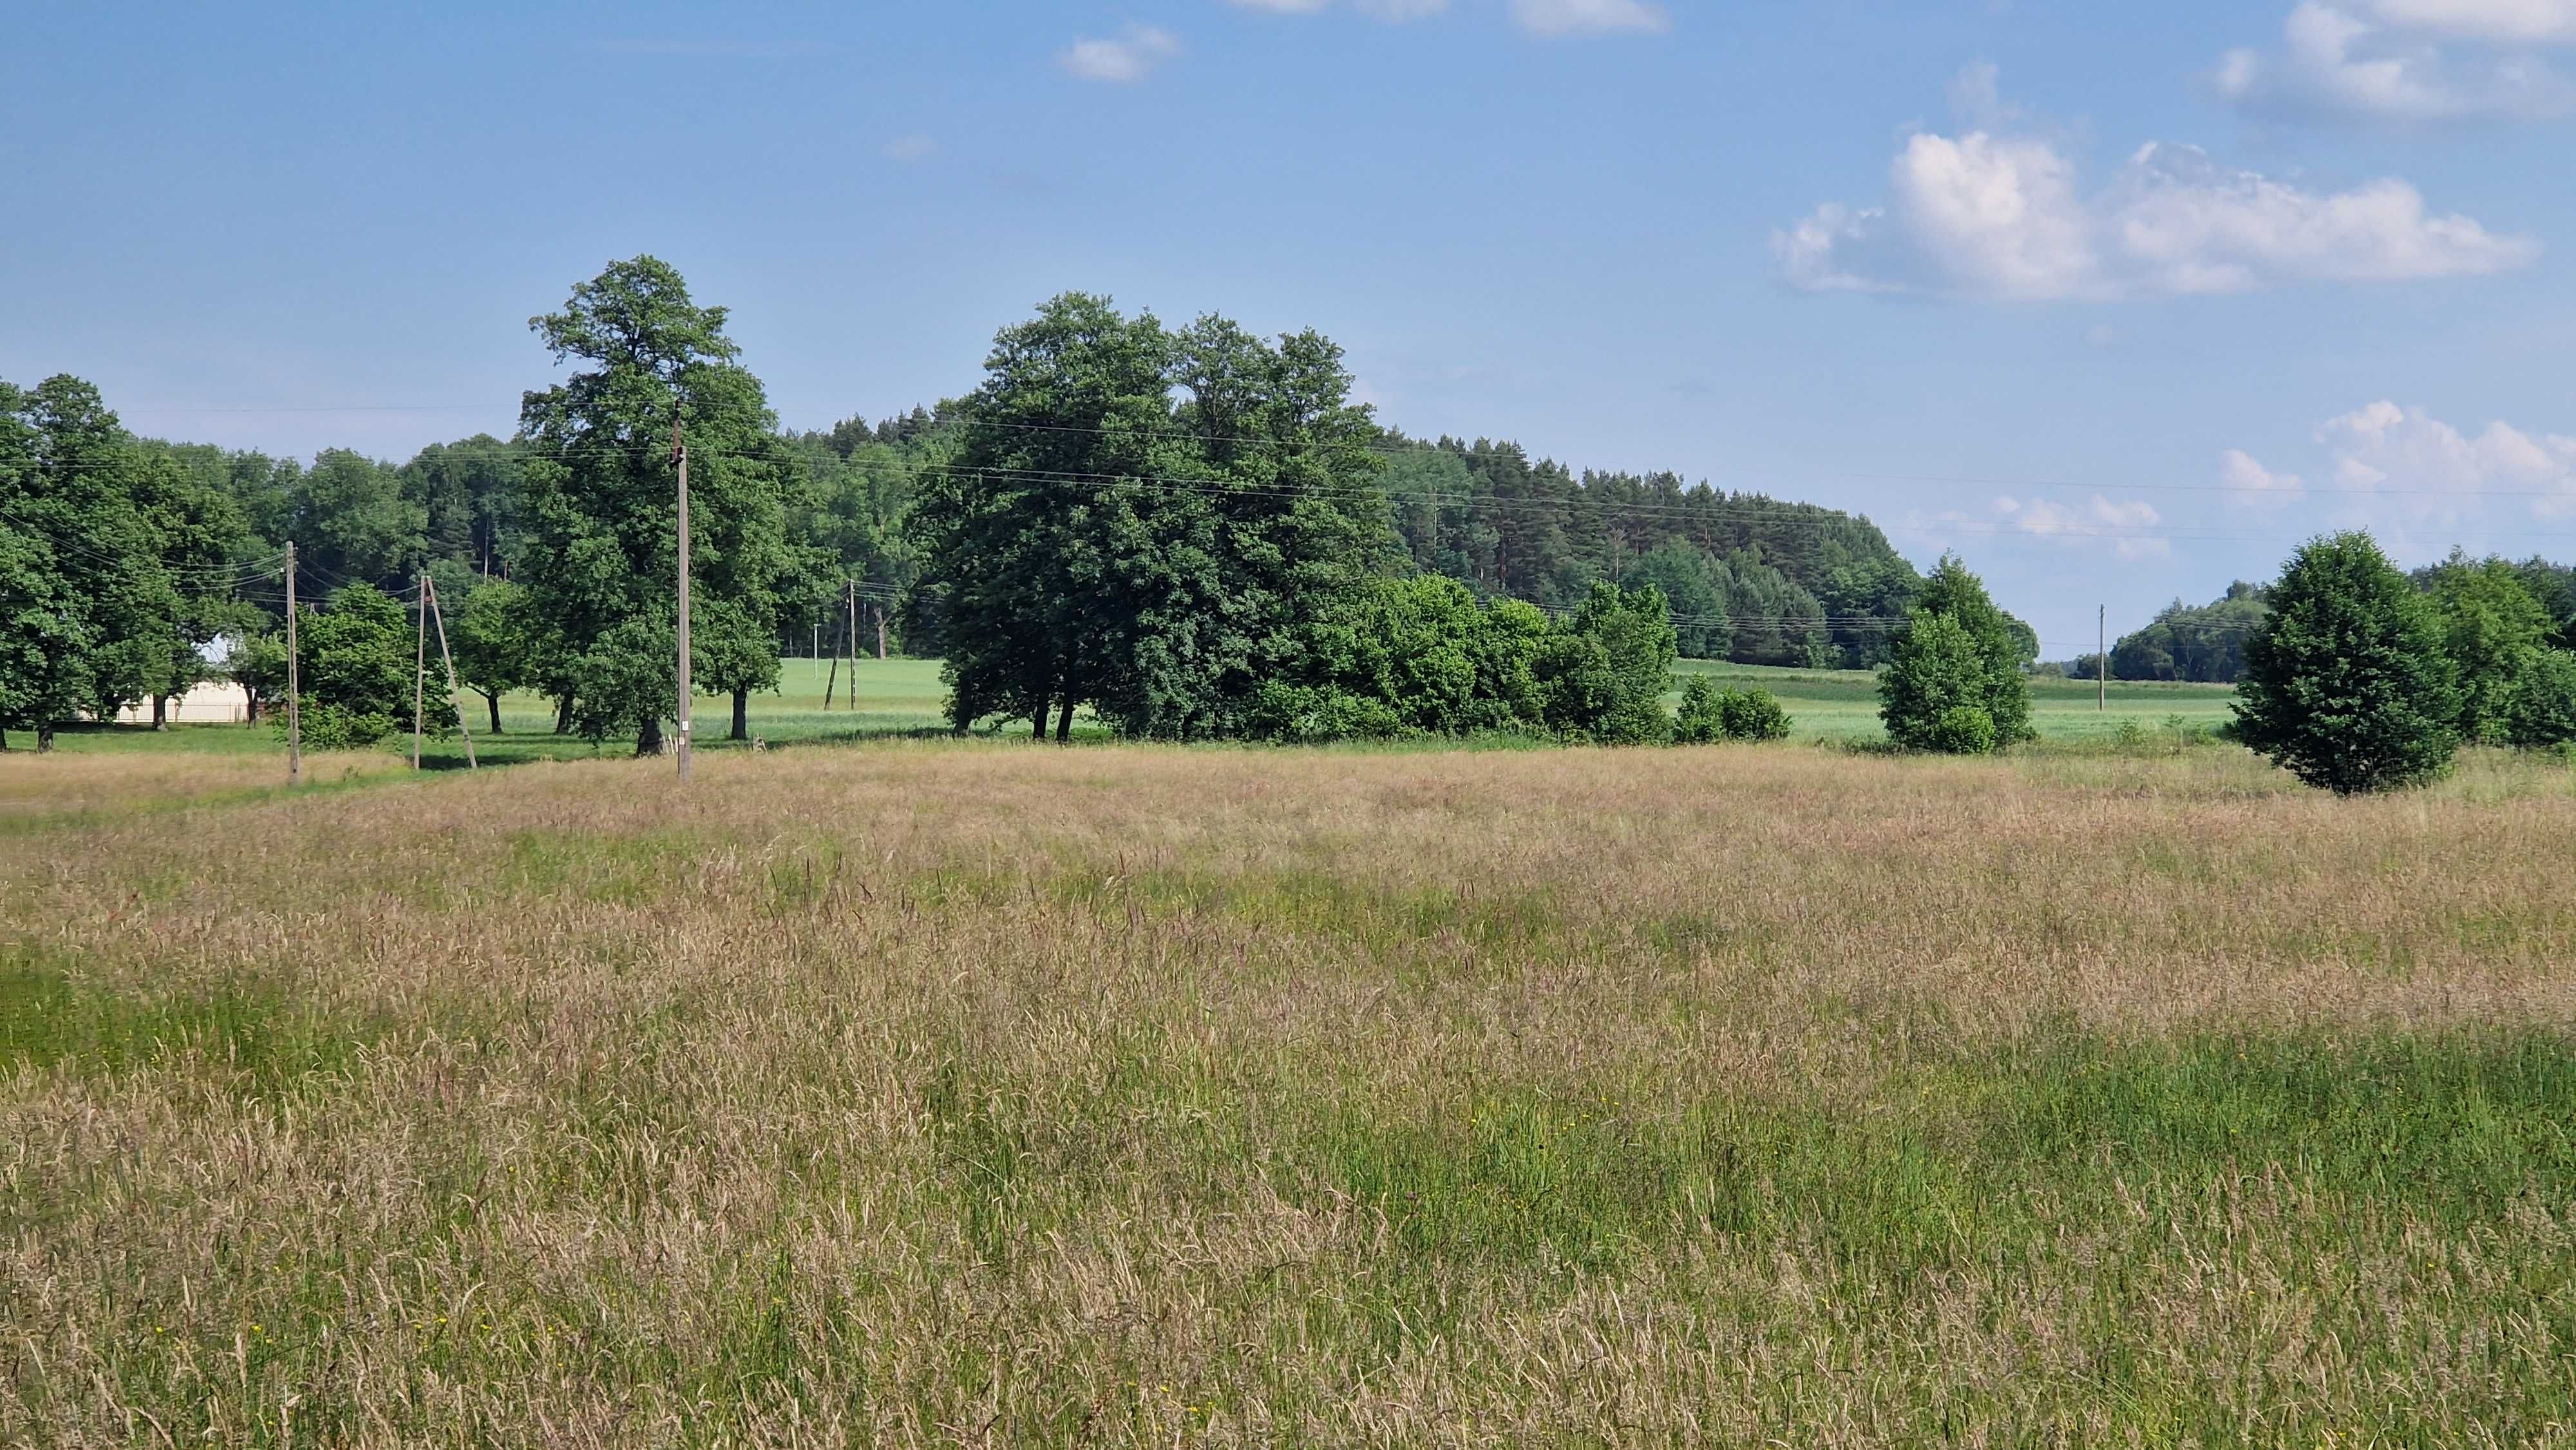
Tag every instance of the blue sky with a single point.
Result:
(2119, 301)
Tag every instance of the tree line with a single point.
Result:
(1277, 512)
(2205, 644)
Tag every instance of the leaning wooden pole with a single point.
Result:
(455, 696)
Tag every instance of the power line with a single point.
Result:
(1413, 446)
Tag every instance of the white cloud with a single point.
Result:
(2101, 519)
(2406, 461)
(2504, 22)
(1374, 9)
(1591, 17)
(912, 149)
(2399, 62)
(2250, 485)
(2005, 216)
(1128, 59)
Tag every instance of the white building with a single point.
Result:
(216, 702)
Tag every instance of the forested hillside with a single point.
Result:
(1749, 578)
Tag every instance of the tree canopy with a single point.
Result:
(2348, 683)
(599, 512)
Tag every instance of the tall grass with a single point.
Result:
(996, 1095)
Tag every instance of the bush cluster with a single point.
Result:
(1709, 714)
(1422, 656)
(2358, 681)
(1954, 680)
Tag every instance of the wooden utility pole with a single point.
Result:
(853, 637)
(294, 683)
(2102, 663)
(832, 680)
(420, 664)
(455, 696)
(880, 631)
(680, 455)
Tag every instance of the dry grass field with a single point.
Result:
(986, 1094)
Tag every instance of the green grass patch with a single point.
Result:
(257, 1041)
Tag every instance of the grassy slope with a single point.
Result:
(944, 1091)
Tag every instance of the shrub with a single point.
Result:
(2542, 714)
(1314, 715)
(1603, 675)
(356, 673)
(1702, 717)
(2349, 683)
(1936, 670)
(1957, 651)
(1963, 730)
(337, 727)
(2496, 632)
(1753, 715)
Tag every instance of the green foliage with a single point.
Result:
(499, 642)
(2542, 712)
(599, 556)
(1419, 656)
(2205, 644)
(357, 672)
(1701, 720)
(109, 555)
(2349, 684)
(1709, 714)
(351, 519)
(2496, 633)
(1969, 730)
(1749, 578)
(1752, 715)
(1145, 522)
(258, 664)
(1954, 683)
(1601, 678)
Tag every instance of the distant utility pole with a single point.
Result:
(2102, 662)
(455, 696)
(294, 683)
(880, 631)
(420, 664)
(680, 455)
(853, 637)
(831, 681)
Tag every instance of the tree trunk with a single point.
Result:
(4, 740)
(45, 739)
(160, 712)
(1038, 732)
(563, 716)
(648, 741)
(493, 701)
(1064, 722)
(741, 715)
(250, 708)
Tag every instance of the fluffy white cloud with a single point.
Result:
(2397, 62)
(2505, 22)
(1131, 57)
(2006, 216)
(2250, 485)
(1591, 17)
(2101, 519)
(2407, 461)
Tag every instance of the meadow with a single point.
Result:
(940, 1092)
(904, 697)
